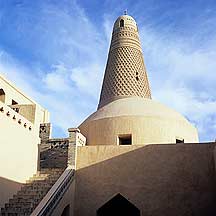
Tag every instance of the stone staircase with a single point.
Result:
(31, 193)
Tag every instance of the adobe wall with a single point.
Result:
(18, 144)
(35, 114)
(153, 129)
(19, 131)
(19, 137)
(26, 110)
(158, 179)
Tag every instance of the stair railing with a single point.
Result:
(55, 194)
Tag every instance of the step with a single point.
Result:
(31, 193)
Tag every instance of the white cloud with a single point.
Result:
(16, 72)
(88, 79)
(53, 91)
(57, 79)
(182, 74)
(70, 88)
(108, 25)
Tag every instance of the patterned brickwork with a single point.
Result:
(54, 154)
(125, 73)
(44, 133)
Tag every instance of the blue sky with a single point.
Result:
(56, 52)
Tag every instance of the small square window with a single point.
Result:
(179, 140)
(125, 139)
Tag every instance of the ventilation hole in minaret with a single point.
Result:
(136, 73)
(137, 78)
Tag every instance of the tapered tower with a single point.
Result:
(125, 73)
(126, 114)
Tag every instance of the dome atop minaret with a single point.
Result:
(129, 21)
(126, 113)
(125, 73)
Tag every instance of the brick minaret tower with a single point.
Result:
(125, 73)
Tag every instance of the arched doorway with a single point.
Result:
(118, 205)
(66, 211)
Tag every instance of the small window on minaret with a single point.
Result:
(121, 23)
(125, 139)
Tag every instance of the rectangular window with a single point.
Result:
(125, 139)
(179, 140)
(121, 23)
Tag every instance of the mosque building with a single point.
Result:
(133, 156)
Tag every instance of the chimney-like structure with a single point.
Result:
(125, 73)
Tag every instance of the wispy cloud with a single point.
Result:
(68, 84)
(59, 54)
(57, 80)
(88, 79)
(182, 76)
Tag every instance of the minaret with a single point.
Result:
(126, 114)
(125, 73)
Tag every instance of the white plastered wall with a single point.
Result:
(18, 155)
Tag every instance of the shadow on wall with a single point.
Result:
(158, 179)
(7, 189)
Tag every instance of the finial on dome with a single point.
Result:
(125, 12)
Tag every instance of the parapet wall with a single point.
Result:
(158, 179)
(54, 153)
(26, 110)
(58, 153)
(13, 93)
(18, 142)
(15, 116)
(20, 118)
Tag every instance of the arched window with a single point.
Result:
(2, 95)
(118, 205)
(121, 23)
